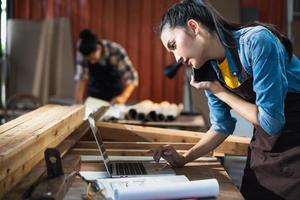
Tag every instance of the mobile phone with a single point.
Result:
(204, 73)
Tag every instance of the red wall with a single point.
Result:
(269, 11)
(131, 23)
(128, 22)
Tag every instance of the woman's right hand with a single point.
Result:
(170, 155)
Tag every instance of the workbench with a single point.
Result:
(202, 169)
(30, 180)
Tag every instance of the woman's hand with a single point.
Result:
(213, 86)
(247, 110)
(170, 155)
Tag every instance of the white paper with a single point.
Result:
(115, 112)
(110, 185)
(93, 104)
(168, 190)
(93, 175)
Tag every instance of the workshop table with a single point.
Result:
(202, 169)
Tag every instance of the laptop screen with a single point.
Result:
(99, 143)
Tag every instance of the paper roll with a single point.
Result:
(190, 189)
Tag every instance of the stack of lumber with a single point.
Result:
(142, 139)
(132, 140)
(24, 140)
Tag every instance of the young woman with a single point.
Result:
(258, 76)
(103, 70)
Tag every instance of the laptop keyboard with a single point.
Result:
(130, 169)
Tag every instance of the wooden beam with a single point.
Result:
(35, 171)
(22, 189)
(233, 145)
(133, 145)
(21, 132)
(14, 154)
(24, 118)
(134, 133)
(112, 152)
(232, 148)
(126, 148)
(14, 162)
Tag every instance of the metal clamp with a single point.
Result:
(53, 163)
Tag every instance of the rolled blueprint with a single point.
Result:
(177, 190)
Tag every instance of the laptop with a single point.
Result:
(118, 169)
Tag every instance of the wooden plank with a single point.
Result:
(40, 62)
(24, 187)
(111, 131)
(57, 187)
(132, 145)
(14, 163)
(21, 190)
(12, 158)
(235, 148)
(133, 133)
(49, 28)
(24, 118)
(15, 176)
(62, 60)
(233, 145)
(33, 125)
(12, 137)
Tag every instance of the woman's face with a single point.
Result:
(187, 47)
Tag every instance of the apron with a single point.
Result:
(104, 81)
(273, 164)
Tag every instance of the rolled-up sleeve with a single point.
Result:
(269, 80)
(220, 117)
(119, 57)
(129, 74)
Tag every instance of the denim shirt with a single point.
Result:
(265, 59)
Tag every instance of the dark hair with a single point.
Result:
(88, 43)
(201, 11)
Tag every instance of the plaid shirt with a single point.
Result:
(116, 55)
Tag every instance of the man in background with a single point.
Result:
(103, 70)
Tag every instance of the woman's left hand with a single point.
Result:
(213, 86)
